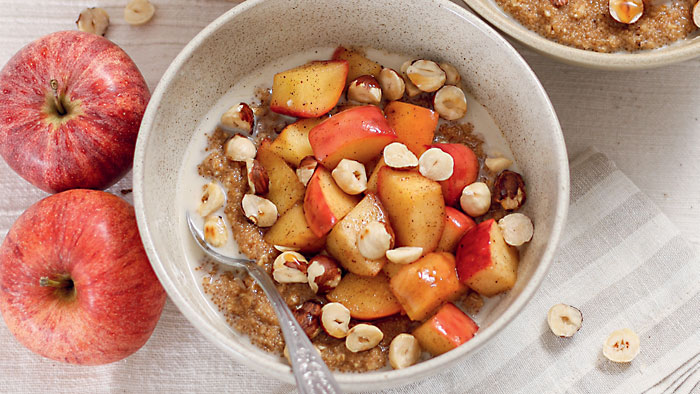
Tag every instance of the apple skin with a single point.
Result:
(456, 225)
(465, 172)
(90, 147)
(92, 237)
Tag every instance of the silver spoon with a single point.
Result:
(311, 373)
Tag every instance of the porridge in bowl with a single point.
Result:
(377, 193)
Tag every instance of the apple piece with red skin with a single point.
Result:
(447, 329)
(358, 133)
(71, 105)
(465, 171)
(325, 203)
(456, 225)
(485, 262)
(414, 125)
(77, 287)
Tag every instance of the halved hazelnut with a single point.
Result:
(138, 12)
(436, 164)
(475, 199)
(564, 320)
(426, 75)
(239, 117)
(239, 148)
(497, 164)
(308, 315)
(393, 86)
(258, 210)
(696, 13)
(335, 318)
(93, 20)
(363, 337)
(213, 198)
(306, 169)
(215, 232)
(290, 267)
(626, 11)
(509, 190)
(404, 255)
(365, 89)
(450, 102)
(323, 274)
(258, 180)
(517, 229)
(283, 248)
(374, 240)
(410, 89)
(404, 351)
(397, 155)
(452, 76)
(351, 176)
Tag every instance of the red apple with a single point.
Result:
(325, 203)
(456, 225)
(414, 125)
(466, 170)
(71, 105)
(75, 283)
(449, 328)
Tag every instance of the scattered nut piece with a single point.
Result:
(696, 13)
(475, 199)
(509, 190)
(213, 198)
(473, 303)
(306, 169)
(215, 232)
(350, 175)
(258, 210)
(258, 181)
(622, 346)
(239, 148)
(308, 315)
(290, 267)
(365, 89)
(93, 20)
(626, 11)
(323, 274)
(450, 102)
(374, 240)
(397, 155)
(426, 75)
(452, 76)
(363, 337)
(559, 3)
(436, 164)
(564, 320)
(335, 318)
(138, 12)
(393, 86)
(239, 117)
(285, 248)
(517, 229)
(497, 164)
(404, 254)
(404, 351)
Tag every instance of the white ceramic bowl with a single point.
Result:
(255, 32)
(685, 49)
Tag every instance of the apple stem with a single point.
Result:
(61, 281)
(56, 99)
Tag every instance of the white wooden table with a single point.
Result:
(647, 121)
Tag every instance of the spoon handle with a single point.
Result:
(311, 373)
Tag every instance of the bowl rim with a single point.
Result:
(349, 381)
(673, 53)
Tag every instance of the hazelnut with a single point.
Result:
(397, 155)
(696, 14)
(426, 75)
(436, 164)
(309, 317)
(365, 89)
(452, 76)
(564, 320)
(335, 318)
(559, 3)
(475, 199)
(351, 177)
(405, 65)
(517, 229)
(93, 20)
(404, 255)
(404, 351)
(363, 337)
(374, 240)
(258, 210)
(473, 303)
(258, 181)
(290, 267)
(138, 12)
(285, 248)
(450, 102)
(212, 199)
(411, 89)
(306, 169)
(239, 148)
(393, 86)
(239, 117)
(622, 346)
(497, 164)
(215, 232)
(509, 190)
(626, 11)
(323, 274)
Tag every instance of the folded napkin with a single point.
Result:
(620, 261)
